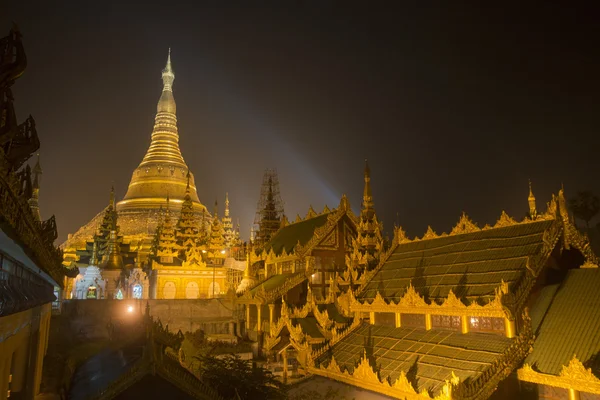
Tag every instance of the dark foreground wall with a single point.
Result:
(91, 317)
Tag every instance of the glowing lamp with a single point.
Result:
(204, 251)
(130, 309)
(222, 251)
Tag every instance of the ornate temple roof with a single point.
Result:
(472, 265)
(569, 323)
(428, 358)
(298, 232)
(163, 171)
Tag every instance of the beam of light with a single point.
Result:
(303, 176)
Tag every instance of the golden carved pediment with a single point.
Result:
(464, 225)
(504, 220)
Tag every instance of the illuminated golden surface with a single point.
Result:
(163, 171)
(573, 376)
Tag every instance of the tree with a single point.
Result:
(235, 378)
(585, 206)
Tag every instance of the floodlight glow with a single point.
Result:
(130, 309)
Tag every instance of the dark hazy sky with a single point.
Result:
(455, 107)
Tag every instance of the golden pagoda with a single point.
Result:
(163, 170)
(162, 173)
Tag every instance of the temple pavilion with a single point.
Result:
(502, 311)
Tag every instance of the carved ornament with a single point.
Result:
(464, 225)
(366, 377)
(505, 220)
(572, 376)
(412, 302)
(430, 234)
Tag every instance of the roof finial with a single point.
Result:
(367, 196)
(112, 196)
(37, 171)
(531, 201)
(167, 74)
(226, 204)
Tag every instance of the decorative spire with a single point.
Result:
(37, 172)
(368, 245)
(35, 194)
(531, 201)
(228, 226)
(217, 238)
(163, 168)
(226, 204)
(367, 197)
(167, 74)
(115, 260)
(111, 203)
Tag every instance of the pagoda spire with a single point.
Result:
(109, 224)
(35, 194)
(188, 227)
(367, 196)
(532, 205)
(217, 236)
(163, 169)
(114, 259)
(368, 244)
(111, 202)
(228, 225)
(166, 245)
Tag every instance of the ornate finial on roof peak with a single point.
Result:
(168, 76)
(531, 201)
(344, 203)
(112, 196)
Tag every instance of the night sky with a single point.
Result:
(455, 107)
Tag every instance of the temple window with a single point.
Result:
(486, 324)
(118, 296)
(192, 291)
(413, 320)
(446, 322)
(286, 267)
(169, 290)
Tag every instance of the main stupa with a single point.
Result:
(162, 173)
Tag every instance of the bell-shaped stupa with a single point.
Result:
(163, 171)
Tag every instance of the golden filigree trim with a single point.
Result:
(365, 376)
(572, 376)
(464, 225)
(505, 220)
(430, 234)
(412, 302)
